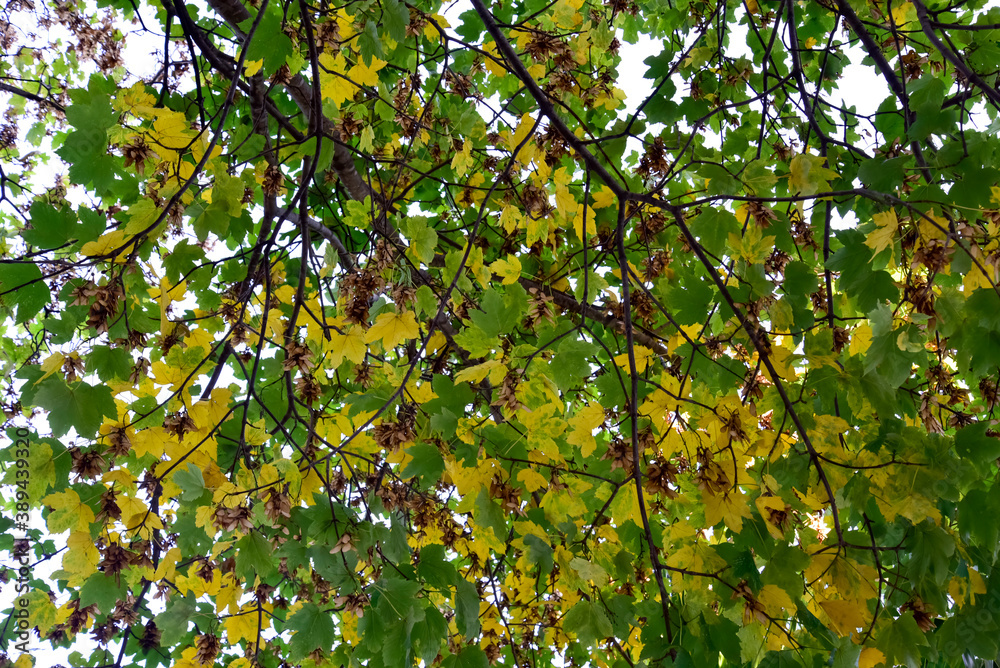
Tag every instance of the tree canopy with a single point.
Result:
(377, 333)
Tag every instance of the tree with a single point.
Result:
(359, 335)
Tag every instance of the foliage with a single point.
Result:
(359, 335)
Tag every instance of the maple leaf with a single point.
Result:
(808, 176)
(884, 233)
(729, 507)
(393, 328)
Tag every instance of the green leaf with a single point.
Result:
(21, 286)
(977, 514)
(901, 641)
(572, 363)
(467, 609)
(467, 657)
(423, 238)
(499, 313)
(974, 442)
(429, 634)
(588, 621)
(427, 463)
(398, 596)
(370, 43)
(489, 515)
(50, 227)
(395, 18)
(104, 592)
(81, 407)
(190, 480)
(269, 42)
(435, 568)
(173, 621)
(314, 629)
(253, 556)
(689, 299)
(931, 549)
(713, 227)
(358, 214)
(110, 363)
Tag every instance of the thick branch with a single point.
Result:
(302, 93)
(542, 100)
(952, 57)
(596, 314)
(14, 90)
(346, 259)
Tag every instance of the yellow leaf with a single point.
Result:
(562, 506)
(870, 657)
(167, 569)
(775, 600)
(24, 661)
(51, 364)
(847, 616)
(41, 611)
(765, 504)
(393, 328)
(68, 512)
(532, 479)
(975, 279)
(242, 626)
(366, 75)
(698, 557)
(463, 159)
(642, 357)
(904, 13)
(827, 431)
(167, 294)
(152, 441)
(142, 524)
(603, 198)
(350, 345)
(229, 595)
(932, 226)
(565, 201)
(730, 507)
(81, 557)
(583, 424)
(783, 359)
(204, 515)
(537, 230)
(565, 16)
(508, 269)
(251, 67)
(977, 582)
(105, 244)
(333, 84)
(861, 339)
(495, 369)
(212, 412)
(584, 214)
(511, 218)
(752, 246)
(524, 127)
(199, 338)
(807, 175)
(882, 236)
